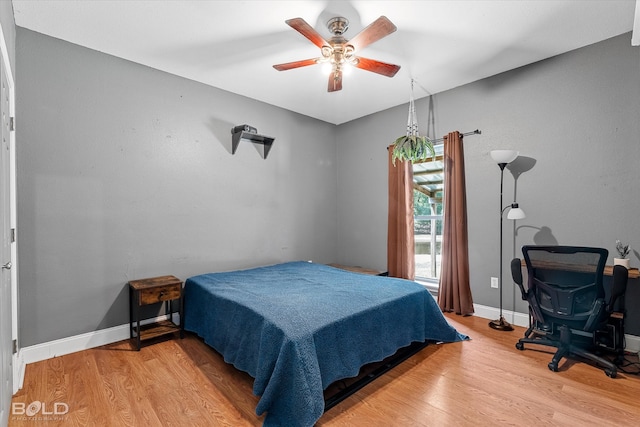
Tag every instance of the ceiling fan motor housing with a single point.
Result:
(338, 25)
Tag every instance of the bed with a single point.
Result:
(297, 327)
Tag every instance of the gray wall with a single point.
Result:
(126, 172)
(575, 119)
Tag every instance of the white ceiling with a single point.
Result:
(232, 45)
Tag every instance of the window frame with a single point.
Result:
(429, 180)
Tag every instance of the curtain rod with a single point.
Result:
(439, 141)
(475, 132)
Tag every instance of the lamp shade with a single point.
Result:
(516, 213)
(504, 156)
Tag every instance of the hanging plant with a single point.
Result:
(412, 146)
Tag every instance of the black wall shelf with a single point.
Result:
(248, 133)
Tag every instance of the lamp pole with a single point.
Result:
(501, 324)
(502, 158)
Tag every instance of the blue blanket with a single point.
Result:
(297, 327)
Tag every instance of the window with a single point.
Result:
(428, 187)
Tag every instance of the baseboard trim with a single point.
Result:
(632, 342)
(492, 313)
(51, 349)
(18, 371)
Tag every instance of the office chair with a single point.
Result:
(567, 303)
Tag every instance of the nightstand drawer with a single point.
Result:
(160, 293)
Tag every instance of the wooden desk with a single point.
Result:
(633, 272)
(357, 269)
(608, 270)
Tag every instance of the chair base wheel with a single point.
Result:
(553, 366)
(610, 373)
(520, 346)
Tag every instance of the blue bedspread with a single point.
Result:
(297, 327)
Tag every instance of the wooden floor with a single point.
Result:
(481, 382)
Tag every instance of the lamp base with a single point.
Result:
(501, 325)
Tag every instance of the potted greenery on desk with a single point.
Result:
(623, 252)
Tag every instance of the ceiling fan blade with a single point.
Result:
(296, 64)
(335, 81)
(301, 26)
(378, 29)
(379, 67)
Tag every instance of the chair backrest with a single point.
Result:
(566, 283)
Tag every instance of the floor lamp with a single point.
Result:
(503, 158)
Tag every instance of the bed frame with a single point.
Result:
(384, 367)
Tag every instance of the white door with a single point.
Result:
(6, 346)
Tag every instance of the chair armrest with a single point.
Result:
(619, 286)
(516, 273)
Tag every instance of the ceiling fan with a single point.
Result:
(339, 52)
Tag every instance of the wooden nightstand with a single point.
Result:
(357, 269)
(154, 290)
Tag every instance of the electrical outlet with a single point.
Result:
(495, 283)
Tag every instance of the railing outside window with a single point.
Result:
(428, 247)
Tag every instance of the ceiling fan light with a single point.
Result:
(327, 68)
(353, 60)
(349, 53)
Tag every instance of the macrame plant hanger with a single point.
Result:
(412, 119)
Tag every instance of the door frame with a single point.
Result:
(18, 366)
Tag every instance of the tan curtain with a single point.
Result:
(455, 293)
(400, 240)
